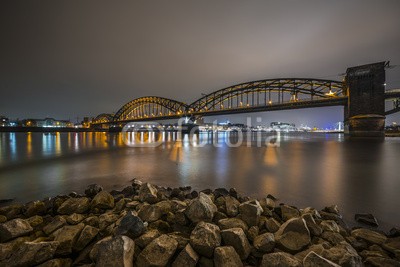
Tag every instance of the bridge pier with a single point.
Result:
(365, 110)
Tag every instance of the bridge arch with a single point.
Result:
(103, 118)
(267, 92)
(149, 107)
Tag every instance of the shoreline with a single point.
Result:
(206, 228)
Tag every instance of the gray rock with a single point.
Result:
(250, 212)
(314, 260)
(279, 259)
(117, 251)
(226, 257)
(343, 254)
(158, 252)
(103, 200)
(204, 238)
(148, 193)
(332, 209)
(201, 209)
(131, 226)
(232, 206)
(3, 219)
(87, 235)
(264, 243)
(272, 225)
(236, 238)
(93, 190)
(14, 228)
(289, 212)
(293, 235)
(67, 237)
(31, 254)
(6, 249)
(55, 224)
(370, 236)
(74, 205)
(317, 248)
(187, 257)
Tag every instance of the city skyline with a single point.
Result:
(180, 51)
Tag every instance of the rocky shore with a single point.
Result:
(147, 225)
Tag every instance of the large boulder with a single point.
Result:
(13, 229)
(67, 237)
(34, 208)
(187, 257)
(370, 236)
(152, 213)
(343, 254)
(232, 223)
(158, 252)
(232, 206)
(117, 251)
(250, 212)
(148, 193)
(103, 200)
(93, 190)
(279, 259)
(289, 212)
(87, 235)
(272, 225)
(314, 228)
(236, 238)
(56, 223)
(293, 235)
(226, 257)
(145, 239)
(31, 254)
(74, 205)
(204, 238)
(314, 260)
(131, 226)
(201, 208)
(264, 243)
(393, 245)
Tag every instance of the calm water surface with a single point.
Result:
(304, 170)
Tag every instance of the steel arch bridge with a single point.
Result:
(150, 107)
(255, 96)
(103, 118)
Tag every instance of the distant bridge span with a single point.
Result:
(258, 96)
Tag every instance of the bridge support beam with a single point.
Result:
(365, 110)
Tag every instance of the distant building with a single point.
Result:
(47, 122)
(283, 126)
(3, 121)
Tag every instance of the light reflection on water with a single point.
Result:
(301, 169)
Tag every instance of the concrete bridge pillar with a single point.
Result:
(365, 110)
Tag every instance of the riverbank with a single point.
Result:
(21, 129)
(147, 225)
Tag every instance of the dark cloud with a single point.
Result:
(74, 58)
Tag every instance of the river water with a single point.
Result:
(308, 169)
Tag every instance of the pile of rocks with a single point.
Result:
(146, 225)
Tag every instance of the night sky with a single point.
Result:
(68, 59)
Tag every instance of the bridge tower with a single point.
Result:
(364, 114)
